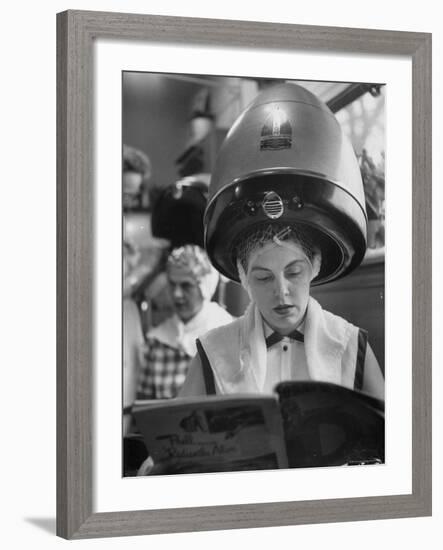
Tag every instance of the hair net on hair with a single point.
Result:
(275, 232)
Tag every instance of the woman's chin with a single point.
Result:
(286, 324)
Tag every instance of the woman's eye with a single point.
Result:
(263, 278)
(292, 274)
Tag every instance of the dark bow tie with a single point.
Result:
(276, 337)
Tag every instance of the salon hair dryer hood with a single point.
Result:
(286, 159)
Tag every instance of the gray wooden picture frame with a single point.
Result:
(76, 32)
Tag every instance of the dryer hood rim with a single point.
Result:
(283, 170)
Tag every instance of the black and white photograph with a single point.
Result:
(253, 273)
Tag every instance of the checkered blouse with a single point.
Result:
(162, 371)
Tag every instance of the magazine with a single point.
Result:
(303, 424)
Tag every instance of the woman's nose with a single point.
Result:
(177, 291)
(281, 287)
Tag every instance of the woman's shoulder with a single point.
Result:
(228, 330)
(327, 326)
(217, 314)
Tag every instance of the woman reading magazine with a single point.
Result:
(284, 334)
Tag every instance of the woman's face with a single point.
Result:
(279, 278)
(185, 293)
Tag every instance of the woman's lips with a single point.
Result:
(283, 310)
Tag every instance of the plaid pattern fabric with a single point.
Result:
(162, 371)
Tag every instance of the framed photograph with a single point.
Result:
(144, 103)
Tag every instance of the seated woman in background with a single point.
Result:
(284, 334)
(169, 347)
